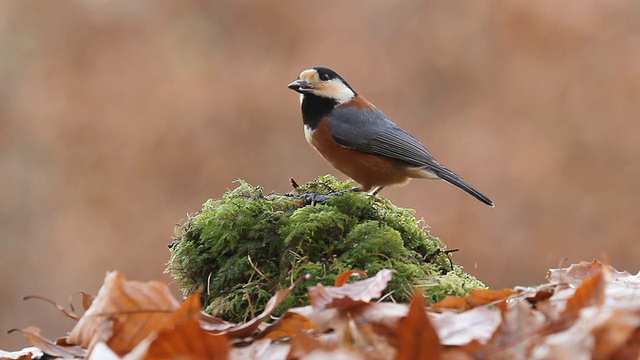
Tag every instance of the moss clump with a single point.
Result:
(247, 245)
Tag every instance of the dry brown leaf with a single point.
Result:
(337, 354)
(614, 332)
(248, 328)
(262, 349)
(630, 350)
(450, 303)
(474, 299)
(575, 274)
(371, 328)
(124, 313)
(520, 327)
(369, 340)
(457, 329)
(598, 319)
(623, 288)
(485, 296)
(32, 334)
(189, 309)
(574, 341)
(100, 351)
(303, 344)
(345, 276)
(87, 299)
(285, 326)
(589, 293)
(188, 341)
(214, 324)
(540, 296)
(417, 339)
(349, 295)
(60, 308)
(25, 354)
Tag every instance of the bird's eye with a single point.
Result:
(325, 77)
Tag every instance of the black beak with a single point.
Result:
(301, 86)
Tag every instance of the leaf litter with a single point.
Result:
(587, 310)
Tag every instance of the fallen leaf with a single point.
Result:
(87, 299)
(540, 296)
(630, 350)
(24, 354)
(33, 336)
(337, 354)
(60, 308)
(575, 274)
(101, 351)
(303, 344)
(369, 327)
(417, 339)
(345, 276)
(613, 331)
(262, 349)
(485, 296)
(349, 295)
(188, 341)
(520, 327)
(286, 325)
(459, 329)
(248, 328)
(124, 313)
(589, 293)
(450, 303)
(475, 298)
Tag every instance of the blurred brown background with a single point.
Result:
(119, 117)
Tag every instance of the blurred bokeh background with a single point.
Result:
(117, 118)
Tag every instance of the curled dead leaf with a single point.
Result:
(349, 295)
(248, 328)
(345, 276)
(124, 313)
(34, 337)
(287, 326)
(589, 293)
(417, 338)
(188, 341)
(474, 299)
(69, 314)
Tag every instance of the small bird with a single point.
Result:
(360, 141)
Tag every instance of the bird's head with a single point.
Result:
(323, 82)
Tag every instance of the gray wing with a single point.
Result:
(370, 131)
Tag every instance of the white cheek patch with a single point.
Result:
(307, 134)
(337, 90)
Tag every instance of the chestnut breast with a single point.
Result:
(366, 169)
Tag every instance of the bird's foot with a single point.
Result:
(313, 198)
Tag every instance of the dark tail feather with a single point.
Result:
(454, 179)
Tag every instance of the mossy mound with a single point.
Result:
(244, 247)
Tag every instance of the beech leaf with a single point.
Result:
(124, 313)
(349, 295)
(417, 339)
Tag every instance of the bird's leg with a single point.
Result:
(375, 190)
(342, 192)
(309, 199)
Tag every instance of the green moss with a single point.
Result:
(248, 245)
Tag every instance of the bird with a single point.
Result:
(360, 141)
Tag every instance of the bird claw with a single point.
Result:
(313, 198)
